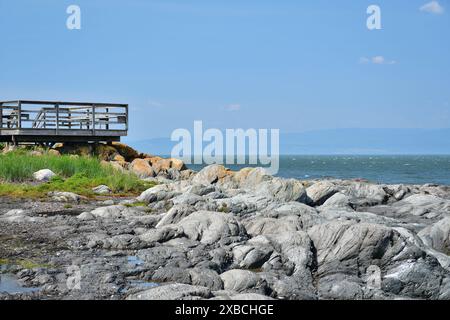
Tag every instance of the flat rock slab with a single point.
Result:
(176, 291)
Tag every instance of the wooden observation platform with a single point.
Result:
(25, 121)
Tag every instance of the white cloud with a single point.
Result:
(155, 104)
(233, 107)
(364, 60)
(376, 60)
(432, 7)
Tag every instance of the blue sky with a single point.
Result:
(292, 65)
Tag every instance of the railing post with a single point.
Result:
(107, 119)
(93, 119)
(126, 117)
(1, 116)
(19, 115)
(57, 118)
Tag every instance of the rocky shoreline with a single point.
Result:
(218, 234)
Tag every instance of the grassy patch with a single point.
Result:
(78, 175)
(24, 263)
(136, 204)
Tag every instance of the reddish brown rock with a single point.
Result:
(142, 168)
(162, 165)
(177, 164)
(125, 151)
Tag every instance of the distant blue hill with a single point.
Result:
(341, 141)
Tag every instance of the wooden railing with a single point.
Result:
(45, 115)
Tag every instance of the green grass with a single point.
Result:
(136, 204)
(24, 263)
(78, 175)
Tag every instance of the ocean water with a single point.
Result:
(382, 169)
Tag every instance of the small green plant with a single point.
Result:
(224, 208)
(148, 210)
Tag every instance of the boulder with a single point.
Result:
(210, 227)
(19, 216)
(172, 274)
(264, 226)
(156, 193)
(86, 216)
(125, 151)
(211, 174)
(187, 174)
(162, 234)
(293, 288)
(344, 247)
(206, 278)
(201, 190)
(153, 159)
(338, 201)
(340, 287)
(308, 216)
(366, 194)
(164, 255)
(175, 291)
(102, 189)
(320, 192)
(243, 281)
(350, 249)
(251, 257)
(282, 190)
(43, 175)
(296, 247)
(142, 168)
(162, 165)
(114, 212)
(248, 178)
(53, 152)
(175, 214)
(177, 164)
(423, 205)
(119, 158)
(119, 165)
(437, 236)
(64, 196)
